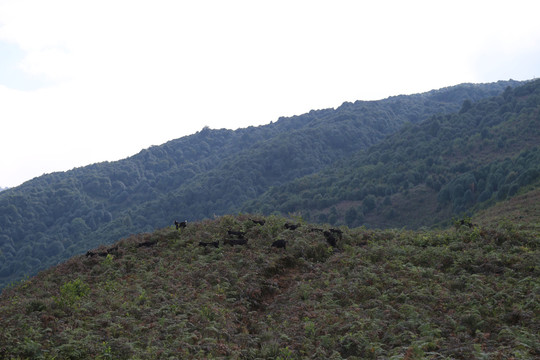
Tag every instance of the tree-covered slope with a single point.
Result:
(380, 294)
(428, 172)
(55, 216)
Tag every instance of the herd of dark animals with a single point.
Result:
(235, 237)
(238, 237)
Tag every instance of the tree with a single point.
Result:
(369, 203)
(351, 216)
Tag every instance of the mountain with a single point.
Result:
(460, 293)
(213, 172)
(426, 173)
(2, 189)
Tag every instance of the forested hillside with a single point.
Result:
(428, 172)
(50, 218)
(458, 293)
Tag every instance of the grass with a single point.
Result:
(393, 294)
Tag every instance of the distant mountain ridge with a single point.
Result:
(212, 172)
(428, 172)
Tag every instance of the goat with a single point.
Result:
(179, 225)
(233, 242)
(213, 243)
(258, 222)
(280, 244)
(239, 234)
(291, 226)
(330, 239)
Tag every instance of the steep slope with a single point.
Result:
(55, 216)
(520, 212)
(381, 294)
(426, 173)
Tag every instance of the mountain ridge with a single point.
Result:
(498, 134)
(212, 172)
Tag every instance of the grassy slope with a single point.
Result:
(521, 211)
(456, 294)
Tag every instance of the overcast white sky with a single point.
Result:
(89, 81)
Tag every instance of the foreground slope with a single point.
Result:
(55, 216)
(426, 173)
(457, 294)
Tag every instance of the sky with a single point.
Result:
(89, 81)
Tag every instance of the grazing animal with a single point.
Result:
(104, 252)
(259, 222)
(330, 239)
(213, 243)
(147, 243)
(238, 234)
(291, 226)
(280, 244)
(338, 232)
(179, 225)
(316, 229)
(233, 242)
(464, 222)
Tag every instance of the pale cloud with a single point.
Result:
(113, 77)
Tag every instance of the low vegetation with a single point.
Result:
(468, 292)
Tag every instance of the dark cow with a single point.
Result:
(291, 226)
(213, 243)
(147, 243)
(337, 231)
(330, 239)
(258, 222)
(280, 244)
(112, 250)
(180, 225)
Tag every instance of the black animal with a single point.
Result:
(147, 243)
(291, 226)
(112, 250)
(338, 232)
(330, 239)
(316, 229)
(213, 243)
(465, 222)
(181, 225)
(238, 234)
(258, 222)
(280, 244)
(233, 242)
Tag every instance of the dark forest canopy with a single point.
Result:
(427, 172)
(215, 172)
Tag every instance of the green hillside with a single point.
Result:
(426, 173)
(214, 172)
(463, 293)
